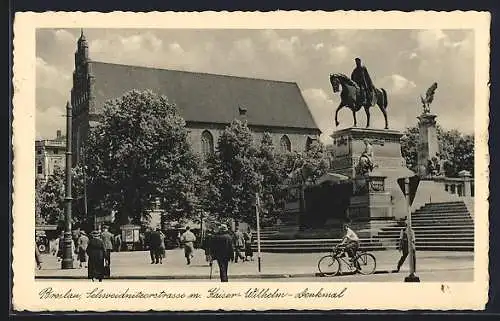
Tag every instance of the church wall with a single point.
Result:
(297, 139)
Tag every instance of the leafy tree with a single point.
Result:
(316, 162)
(409, 147)
(457, 149)
(140, 152)
(233, 172)
(38, 192)
(269, 166)
(50, 198)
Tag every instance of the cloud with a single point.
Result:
(445, 60)
(175, 49)
(404, 62)
(432, 41)
(337, 54)
(319, 46)
(242, 50)
(49, 76)
(64, 37)
(397, 85)
(285, 46)
(322, 108)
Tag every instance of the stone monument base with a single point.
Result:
(348, 145)
(370, 206)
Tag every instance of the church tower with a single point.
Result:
(82, 97)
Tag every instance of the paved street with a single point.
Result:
(431, 266)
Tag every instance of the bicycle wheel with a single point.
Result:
(366, 263)
(329, 265)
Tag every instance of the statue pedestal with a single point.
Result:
(348, 146)
(428, 147)
(370, 206)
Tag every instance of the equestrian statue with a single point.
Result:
(357, 92)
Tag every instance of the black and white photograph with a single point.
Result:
(284, 160)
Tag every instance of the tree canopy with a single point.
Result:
(456, 148)
(140, 152)
(243, 166)
(50, 198)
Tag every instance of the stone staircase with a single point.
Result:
(443, 226)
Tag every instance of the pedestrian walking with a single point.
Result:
(223, 250)
(206, 246)
(239, 242)
(54, 246)
(155, 247)
(95, 251)
(107, 240)
(405, 247)
(142, 241)
(60, 246)
(83, 242)
(38, 258)
(162, 245)
(248, 244)
(118, 242)
(178, 240)
(188, 239)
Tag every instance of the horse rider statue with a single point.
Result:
(365, 164)
(362, 78)
(358, 92)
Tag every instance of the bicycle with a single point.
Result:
(363, 262)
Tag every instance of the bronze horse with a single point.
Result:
(350, 97)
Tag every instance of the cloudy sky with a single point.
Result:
(404, 62)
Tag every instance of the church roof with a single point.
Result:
(202, 97)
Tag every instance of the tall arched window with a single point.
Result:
(207, 143)
(285, 144)
(309, 142)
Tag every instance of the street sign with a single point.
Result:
(414, 181)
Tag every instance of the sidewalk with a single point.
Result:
(136, 265)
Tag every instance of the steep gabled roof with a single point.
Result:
(212, 98)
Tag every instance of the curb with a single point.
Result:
(179, 277)
(200, 277)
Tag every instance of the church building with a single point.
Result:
(207, 102)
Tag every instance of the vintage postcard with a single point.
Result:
(250, 161)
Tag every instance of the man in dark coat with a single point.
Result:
(405, 247)
(95, 251)
(222, 250)
(38, 258)
(239, 243)
(107, 240)
(248, 244)
(83, 242)
(206, 246)
(361, 77)
(155, 247)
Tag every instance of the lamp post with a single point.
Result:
(257, 214)
(411, 249)
(67, 261)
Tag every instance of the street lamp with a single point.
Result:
(411, 249)
(67, 261)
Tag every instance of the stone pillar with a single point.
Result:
(467, 180)
(428, 143)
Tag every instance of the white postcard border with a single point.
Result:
(426, 295)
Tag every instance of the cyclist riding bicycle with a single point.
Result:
(350, 241)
